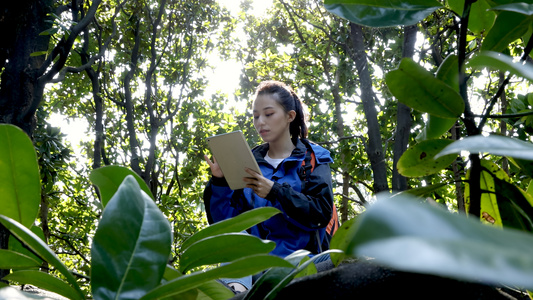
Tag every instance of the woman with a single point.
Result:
(280, 121)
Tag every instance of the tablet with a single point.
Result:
(233, 155)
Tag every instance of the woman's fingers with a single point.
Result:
(252, 172)
(215, 169)
(209, 162)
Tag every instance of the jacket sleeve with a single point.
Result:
(221, 202)
(312, 208)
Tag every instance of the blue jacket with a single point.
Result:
(304, 213)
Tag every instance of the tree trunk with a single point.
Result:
(503, 124)
(20, 23)
(128, 99)
(403, 126)
(457, 174)
(19, 86)
(25, 75)
(469, 117)
(374, 146)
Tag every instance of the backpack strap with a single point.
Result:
(333, 224)
(308, 165)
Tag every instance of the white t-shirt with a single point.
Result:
(273, 161)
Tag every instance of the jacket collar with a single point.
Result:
(297, 154)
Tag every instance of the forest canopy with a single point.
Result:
(385, 95)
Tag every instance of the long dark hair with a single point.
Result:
(288, 99)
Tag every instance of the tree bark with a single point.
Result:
(19, 86)
(24, 76)
(128, 99)
(403, 124)
(469, 118)
(374, 147)
(18, 80)
(337, 99)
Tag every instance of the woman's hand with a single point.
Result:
(215, 168)
(259, 184)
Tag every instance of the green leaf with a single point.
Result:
(489, 211)
(456, 6)
(14, 260)
(272, 277)
(131, 245)
(435, 127)
(415, 87)
(213, 290)
(493, 144)
(20, 187)
(481, 18)
(502, 62)
(425, 190)
(235, 224)
(407, 235)
(229, 247)
(109, 178)
(236, 269)
(520, 7)
(508, 27)
(525, 166)
(44, 281)
(503, 203)
(38, 53)
(340, 241)
(32, 241)
(275, 290)
(419, 160)
(16, 246)
(267, 282)
(515, 209)
(382, 13)
(448, 71)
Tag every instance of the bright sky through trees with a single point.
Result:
(224, 78)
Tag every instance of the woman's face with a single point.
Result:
(270, 119)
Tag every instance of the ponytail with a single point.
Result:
(298, 127)
(288, 99)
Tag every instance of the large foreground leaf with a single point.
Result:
(14, 260)
(237, 269)
(494, 144)
(408, 235)
(417, 88)
(16, 246)
(235, 224)
(229, 247)
(213, 289)
(20, 188)
(382, 13)
(44, 281)
(131, 245)
(306, 263)
(33, 242)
